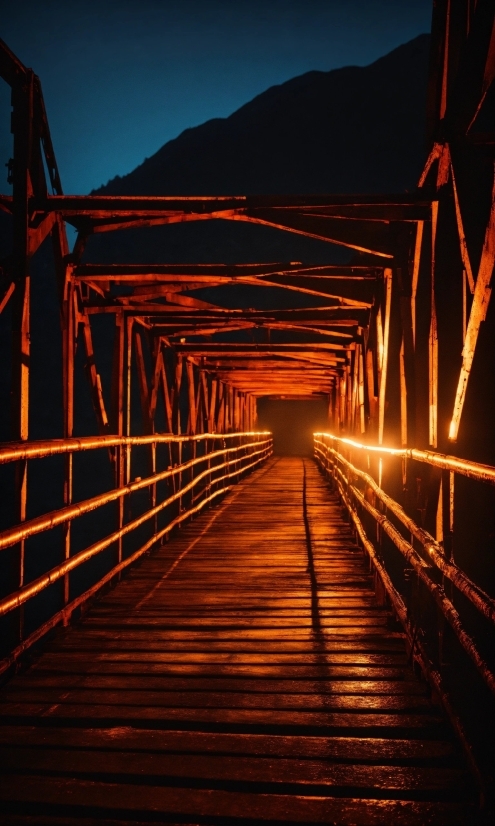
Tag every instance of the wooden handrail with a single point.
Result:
(223, 466)
(20, 451)
(35, 587)
(331, 459)
(58, 517)
(475, 470)
(482, 601)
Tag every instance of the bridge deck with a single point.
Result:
(243, 673)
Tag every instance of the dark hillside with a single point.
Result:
(348, 130)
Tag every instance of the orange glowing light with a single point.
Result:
(475, 470)
(377, 448)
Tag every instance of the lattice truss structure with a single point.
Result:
(366, 321)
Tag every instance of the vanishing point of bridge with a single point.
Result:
(195, 629)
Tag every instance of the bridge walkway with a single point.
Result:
(243, 673)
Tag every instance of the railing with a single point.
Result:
(425, 575)
(197, 470)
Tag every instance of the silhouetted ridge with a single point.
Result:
(351, 129)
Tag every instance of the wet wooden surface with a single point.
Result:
(244, 673)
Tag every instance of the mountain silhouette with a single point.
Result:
(355, 129)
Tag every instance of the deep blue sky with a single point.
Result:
(122, 77)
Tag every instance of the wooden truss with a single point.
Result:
(344, 329)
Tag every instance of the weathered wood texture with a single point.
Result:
(245, 673)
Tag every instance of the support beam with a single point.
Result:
(479, 309)
(387, 280)
(94, 377)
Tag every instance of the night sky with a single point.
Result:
(122, 77)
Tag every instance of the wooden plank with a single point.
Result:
(313, 776)
(344, 749)
(104, 697)
(67, 795)
(61, 682)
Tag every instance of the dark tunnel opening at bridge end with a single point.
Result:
(293, 422)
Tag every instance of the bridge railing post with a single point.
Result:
(22, 128)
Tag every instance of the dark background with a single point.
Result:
(293, 422)
(122, 77)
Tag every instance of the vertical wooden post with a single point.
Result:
(242, 399)
(191, 429)
(194, 410)
(403, 397)
(156, 379)
(144, 393)
(127, 394)
(203, 406)
(408, 255)
(221, 408)
(478, 312)
(362, 420)
(21, 426)
(349, 392)
(444, 527)
(370, 382)
(237, 410)
(146, 408)
(343, 396)
(212, 407)
(379, 341)
(167, 402)
(355, 389)
(93, 376)
(157, 372)
(22, 127)
(118, 393)
(176, 391)
(177, 417)
(415, 275)
(387, 275)
(68, 391)
(447, 509)
(336, 405)
(433, 342)
(68, 295)
(228, 407)
(153, 487)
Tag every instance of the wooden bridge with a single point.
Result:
(246, 671)
(194, 629)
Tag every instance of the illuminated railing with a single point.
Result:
(474, 470)
(214, 462)
(378, 519)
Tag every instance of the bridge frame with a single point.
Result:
(428, 257)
